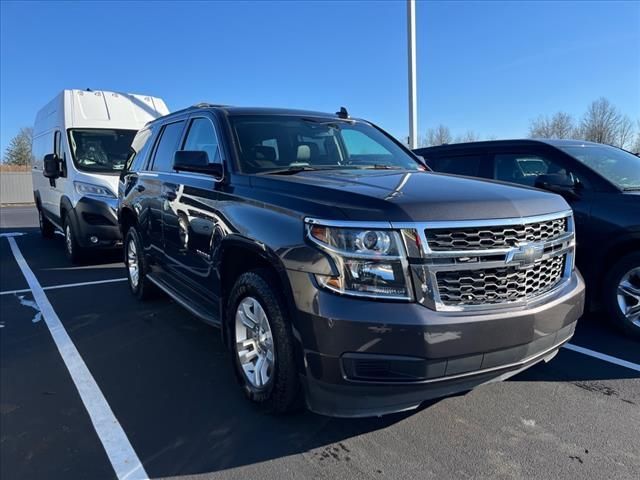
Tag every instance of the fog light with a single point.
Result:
(93, 239)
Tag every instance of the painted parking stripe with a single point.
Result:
(66, 285)
(602, 356)
(121, 454)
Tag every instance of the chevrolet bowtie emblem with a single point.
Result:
(525, 254)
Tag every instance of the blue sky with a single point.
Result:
(484, 66)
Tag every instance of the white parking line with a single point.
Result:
(66, 285)
(602, 356)
(121, 454)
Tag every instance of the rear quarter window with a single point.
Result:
(469, 165)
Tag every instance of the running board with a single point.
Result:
(198, 310)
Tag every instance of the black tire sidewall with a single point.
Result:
(75, 256)
(141, 290)
(280, 394)
(610, 297)
(46, 227)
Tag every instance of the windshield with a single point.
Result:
(100, 150)
(619, 167)
(273, 143)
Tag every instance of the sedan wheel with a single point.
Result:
(254, 342)
(629, 296)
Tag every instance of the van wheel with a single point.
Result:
(262, 343)
(75, 253)
(47, 230)
(622, 294)
(135, 262)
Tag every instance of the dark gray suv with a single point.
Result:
(338, 268)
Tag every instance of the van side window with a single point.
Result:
(202, 137)
(470, 165)
(167, 146)
(57, 144)
(524, 168)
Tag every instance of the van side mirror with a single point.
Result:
(51, 166)
(557, 183)
(196, 161)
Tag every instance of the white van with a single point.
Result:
(81, 142)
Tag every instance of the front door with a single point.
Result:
(189, 214)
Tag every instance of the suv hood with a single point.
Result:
(372, 195)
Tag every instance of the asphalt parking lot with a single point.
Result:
(167, 382)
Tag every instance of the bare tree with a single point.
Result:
(468, 136)
(603, 123)
(438, 136)
(19, 150)
(560, 125)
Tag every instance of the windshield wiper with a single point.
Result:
(631, 189)
(296, 169)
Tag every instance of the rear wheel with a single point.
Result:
(136, 265)
(47, 230)
(263, 343)
(75, 253)
(622, 294)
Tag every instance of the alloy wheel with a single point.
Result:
(629, 296)
(254, 342)
(68, 239)
(132, 263)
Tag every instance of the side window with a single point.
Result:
(524, 168)
(139, 150)
(167, 146)
(470, 165)
(202, 137)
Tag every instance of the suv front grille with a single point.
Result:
(467, 265)
(499, 285)
(479, 238)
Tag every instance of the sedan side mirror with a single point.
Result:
(51, 166)
(557, 183)
(197, 161)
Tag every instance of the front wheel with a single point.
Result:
(47, 230)
(262, 342)
(75, 253)
(622, 294)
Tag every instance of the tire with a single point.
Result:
(281, 392)
(47, 230)
(616, 296)
(140, 286)
(75, 253)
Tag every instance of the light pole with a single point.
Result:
(413, 106)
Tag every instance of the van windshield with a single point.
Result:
(100, 150)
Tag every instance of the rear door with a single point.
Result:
(189, 214)
(156, 195)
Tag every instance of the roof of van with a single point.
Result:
(99, 109)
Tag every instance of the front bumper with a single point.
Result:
(96, 217)
(364, 357)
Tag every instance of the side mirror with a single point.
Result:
(557, 183)
(51, 166)
(196, 161)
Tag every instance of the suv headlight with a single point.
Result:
(370, 262)
(91, 189)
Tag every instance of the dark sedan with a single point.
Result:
(602, 185)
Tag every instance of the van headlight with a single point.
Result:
(370, 262)
(91, 189)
